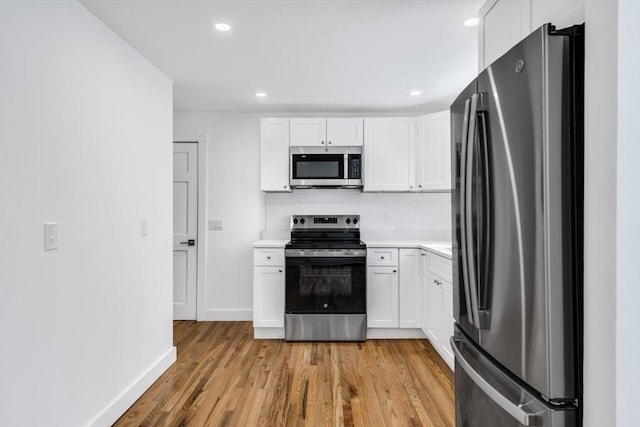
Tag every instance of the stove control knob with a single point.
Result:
(326, 305)
(355, 220)
(348, 221)
(301, 220)
(295, 220)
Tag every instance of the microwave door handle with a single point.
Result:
(470, 247)
(463, 201)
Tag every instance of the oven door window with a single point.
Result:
(325, 285)
(318, 166)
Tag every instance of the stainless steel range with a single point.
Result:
(325, 279)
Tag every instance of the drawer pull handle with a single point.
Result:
(268, 257)
(381, 257)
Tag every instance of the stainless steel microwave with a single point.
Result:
(313, 167)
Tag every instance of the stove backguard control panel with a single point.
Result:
(315, 221)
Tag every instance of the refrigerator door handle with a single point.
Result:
(483, 315)
(463, 198)
(524, 417)
(469, 248)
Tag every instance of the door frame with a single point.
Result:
(201, 269)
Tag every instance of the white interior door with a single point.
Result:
(185, 229)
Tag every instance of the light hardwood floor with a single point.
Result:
(223, 377)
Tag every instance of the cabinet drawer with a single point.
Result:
(267, 257)
(440, 266)
(382, 257)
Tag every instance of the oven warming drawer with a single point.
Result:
(325, 327)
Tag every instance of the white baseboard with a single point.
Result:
(268, 333)
(120, 405)
(394, 333)
(225, 315)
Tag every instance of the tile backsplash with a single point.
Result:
(419, 216)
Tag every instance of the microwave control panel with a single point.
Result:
(355, 166)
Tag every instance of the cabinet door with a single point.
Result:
(389, 154)
(274, 155)
(424, 287)
(561, 13)
(309, 132)
(447, 322)
(410, 295)
(433, 168)
(345, 132)
(503, 23)
(382, 297)
(434, 318)
(268, 297)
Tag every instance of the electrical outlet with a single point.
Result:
(387, 218)
(214, 224)
(50, 236)
(144, 226)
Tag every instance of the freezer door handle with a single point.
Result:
(469, 248)
(463, 197)
(524, 417)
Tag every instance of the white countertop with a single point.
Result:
(439, 248)
(275, 243)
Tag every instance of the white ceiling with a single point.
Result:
(308, 55)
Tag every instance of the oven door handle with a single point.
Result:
(325, 261)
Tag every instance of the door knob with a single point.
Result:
(190, 242)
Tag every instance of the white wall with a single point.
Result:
(85, 141)
(233, 195)
(600, 212)
(628, 213)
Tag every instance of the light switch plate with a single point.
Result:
(50, 236)
(214, 224)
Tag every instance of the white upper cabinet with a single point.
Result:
(345, 132)
(561, 13)
(503, 23)
(315, 132)
(309, 132)
(389, 154)
(433, 162)
(274, 154)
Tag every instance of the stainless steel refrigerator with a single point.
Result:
(517, 140)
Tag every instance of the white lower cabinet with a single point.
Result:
(434, 310)
(268, 288)
(447, 322)
(438, 302)
(394, 291)
(382, 297)
(409, 291)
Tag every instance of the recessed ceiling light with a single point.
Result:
(415, 93)
(261, 94)
(471, 22)
(221, 26)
